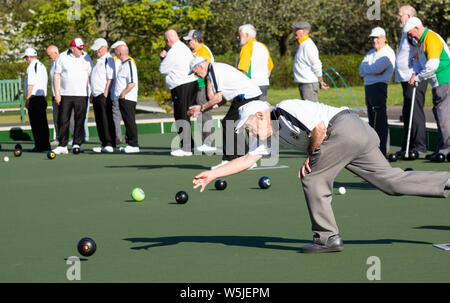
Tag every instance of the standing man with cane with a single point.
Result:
(433, 66)
(404, 62)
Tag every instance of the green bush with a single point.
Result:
(10, 70)
(346, 65)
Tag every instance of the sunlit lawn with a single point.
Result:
(332, 97)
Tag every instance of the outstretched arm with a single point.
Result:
(232, 167)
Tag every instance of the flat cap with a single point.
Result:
(302, 25)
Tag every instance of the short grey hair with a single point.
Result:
(248, 29)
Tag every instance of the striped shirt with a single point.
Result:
(127, 74)
(117, 64)
(254, 59)
(231, 82)
(434, 59)
(296, 119)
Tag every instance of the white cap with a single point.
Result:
(249, 109)
(195, 62)
(98, 43)
(411, 23)
(377, 32)
(193, 34)
(30, 52)
(118, 43)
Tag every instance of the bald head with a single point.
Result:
(52, 52)
(408, 9)
(122, 52)
(171, 37)
(404, 13)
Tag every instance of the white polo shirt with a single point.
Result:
(307, 64)
(296, 119)
(175, 66)
(37, 76)
(103, 71)
(231, 82)
(127, 74)
(75, 72)
(378, 66)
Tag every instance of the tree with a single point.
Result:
(140, 23)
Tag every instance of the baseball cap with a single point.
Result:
(411, 23)
(30, 52)
(118, 43)
(302, 25)
(249, 109)
(98, 43)
(193, 34)
(77, 42)
(377, 32)
(195, 62)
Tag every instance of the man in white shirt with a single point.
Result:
(183, 88)
(117, 116)
(254, 58)
(225, 83)
(52, 54)
(126, 92)
(204, 121)
(407, 53)
(328, 135)
(307, 64)
(71, 83)
(376, 69)
(36, 92)
(102, 77)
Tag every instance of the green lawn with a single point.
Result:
(332, 97)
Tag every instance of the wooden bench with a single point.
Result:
(11, 93)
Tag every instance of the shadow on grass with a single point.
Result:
(434, 227)
(248, 241)
(183, 166)
(356, 185)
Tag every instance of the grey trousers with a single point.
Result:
(264, 90)
(352, 144)
(441, 111)
(309, 91)
(204, 120)
(117, 118)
